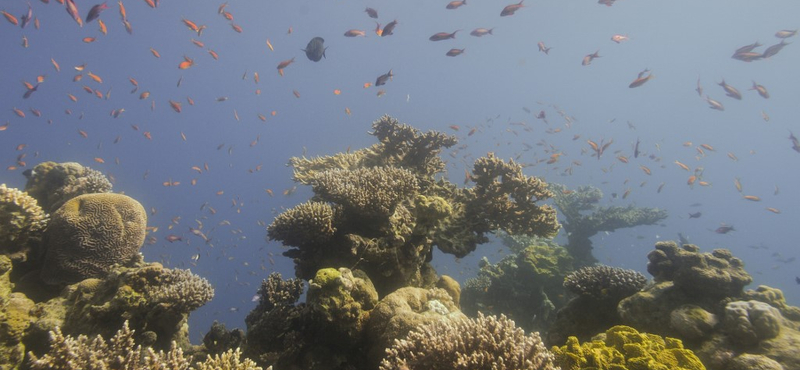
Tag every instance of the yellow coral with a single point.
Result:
(624, 348)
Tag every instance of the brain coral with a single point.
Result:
(22, 222)
(89, 234)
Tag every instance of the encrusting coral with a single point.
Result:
(486, 342)
(624, 348)
(52, 184)
(89, 234)
(583, 218)
(382, 209)
(22, 223)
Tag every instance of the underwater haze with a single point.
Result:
(198, 124)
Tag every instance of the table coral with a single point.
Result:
(22, 223)
(89, 234)
(584, 218)
(383, 208)
(605, 282)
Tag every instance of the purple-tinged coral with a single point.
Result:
(486, 342)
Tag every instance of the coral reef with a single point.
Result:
(486, 342)
(583, 218)
(155, 300)
(89, 234)
(699, 297)
(52, 184)
(623, 348)
(22, 223)
(342, 299)
(382, 209)
(219, 339)
(527, 286)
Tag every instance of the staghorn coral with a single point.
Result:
(89, 234)
(22, 223)
(52, 184)
(486, 342)
(624, 348)
(583, 218)
(605, 282)
(119, 352)
(384, 209)
(230, 360)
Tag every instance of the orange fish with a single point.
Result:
(191, 25)
(122, 13)
(752, 198)
(4, 127)
(236, 27)
(10, 18)
(645, 169)
(187, 62)
(176, 106)
(95, 77)
(155, 53)
(89, 39)
(19, 112)
(213, 54)
(55, 65)
(199, 44)
(99, 160)
(337, 92)
(773, 210)
(103, 28)
(285, 63)
(355, 33)
(147, 135)
(269, 45)
(150, 3)
(681, 165)
(83, 134)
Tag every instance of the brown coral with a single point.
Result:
(181, 289)
(605, 282)
(487, 342)
(89, 234)
(52, 184)
(369, 192)
(22, 223)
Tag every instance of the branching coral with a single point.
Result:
(121, 352)
(22, 223)
(89, 234)
(181, 289)
(384, 208)
(487, 342)
(583, 218)
(52, 184)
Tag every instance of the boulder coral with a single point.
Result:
(15, 319)
(22, 223)
(89, 234)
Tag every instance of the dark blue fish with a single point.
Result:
(383, 78)
(94, 12)
(315, 49)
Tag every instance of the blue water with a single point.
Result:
(488, 88)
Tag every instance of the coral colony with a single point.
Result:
(75, 292)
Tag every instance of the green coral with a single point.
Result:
(22, 223)
(584, 218)
(15, 319)
(52, 184)
(526, 286)
(342, 297)
(624, 348)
